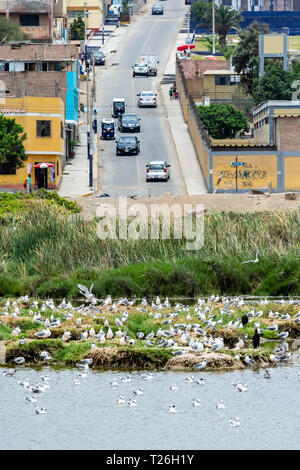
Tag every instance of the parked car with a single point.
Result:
(157, 10)
(140, 69)
(147, 98)
(157, 170)
(129, 122)
(128, 145)
(99, 58)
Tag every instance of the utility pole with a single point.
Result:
(213, 27)
(85, 28)
(189, 28)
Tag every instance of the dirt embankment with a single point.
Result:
(240, 203)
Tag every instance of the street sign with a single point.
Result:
(237, 163)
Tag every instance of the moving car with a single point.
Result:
(147, 98)
(99, 58)
(128, 145)
(107, 129)
(140, 69)
(129, 122)
(118, 107)
(151, 60)
(157, 10)
(157, 170)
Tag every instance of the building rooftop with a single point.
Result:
(220, 72)
(275, 104)
(23, 52)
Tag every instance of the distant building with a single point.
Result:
(34, 16)
(59, 20)
(95, 17)
(43, 120)
(44, 70)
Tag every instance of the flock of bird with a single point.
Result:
(197, 334)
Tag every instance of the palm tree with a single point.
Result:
(226, 19)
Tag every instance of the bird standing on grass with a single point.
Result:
(256, 339)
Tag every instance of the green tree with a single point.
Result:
(10, 32)
(77, 29)
(276, 84)
(12, 151)
(245, 58)
(225, 18)
(223, 121)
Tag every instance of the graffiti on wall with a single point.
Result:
(249, 176)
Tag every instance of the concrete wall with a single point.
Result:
(288, 133)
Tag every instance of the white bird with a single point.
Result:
(173, 387)
(248, 360)
(138, 391)
(201, 365)
(19, 360)
(267, 374)
(66, 336)
(122, 341)
(30, 400)
(9, 372)
(114, 383)
(109, 333)
(234, 423)
(197, 402)
(172, 409)
(256, 260)
(240, 344)
(45, 333)
(16, 331)
(92, 332)
(220, 405)
(40, 410)
(76, 382)
(78, 321)
(84, 335)
(283, 335)
(45, 356)
(132, 402)
(87, 293)
(121, 400)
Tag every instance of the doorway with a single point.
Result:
(41, 178)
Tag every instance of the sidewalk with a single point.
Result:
(187, 156)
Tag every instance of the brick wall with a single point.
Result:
(288, 133)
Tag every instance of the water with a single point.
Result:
(87, 416)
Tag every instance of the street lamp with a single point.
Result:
(213, 27)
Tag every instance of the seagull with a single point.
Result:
(9, 372)
(283, 335)
(234, 423)
(267, 374)
(172, 409)
(248, 360)
(19, 360)
(197, 402)
(87, 293)
(43, 333)
(30, 400)
(76, 382)
(220, 405)
(173, 387)
(272, 328)
(45, 355)
(240, 344)
(121, 400)
(201, 365)
(114, 383)
(16, 331)
(22, 341)
(40, 410)
(66, 336)
(190, 379)
(252, 260)
(132, 402)
(110, 334)
(138, 391)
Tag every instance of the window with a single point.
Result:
(227, 79)
(43, 128)
(29, 20)
(5, 170)
(62, 130)
(57, 168)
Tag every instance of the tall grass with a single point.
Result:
(48, 254)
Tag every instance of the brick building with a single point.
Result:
(34, 16)
(45, 70)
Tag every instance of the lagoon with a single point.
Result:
(87, 416)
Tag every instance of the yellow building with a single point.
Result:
(42, 118)
(75, 8)
(221, 85)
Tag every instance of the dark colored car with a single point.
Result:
(99, 58)
(129, 122)
(157, 10)
(128, 145)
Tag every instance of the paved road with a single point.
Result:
(122, 175)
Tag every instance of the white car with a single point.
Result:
(147, 98)
(140, 69)
(157, 170)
